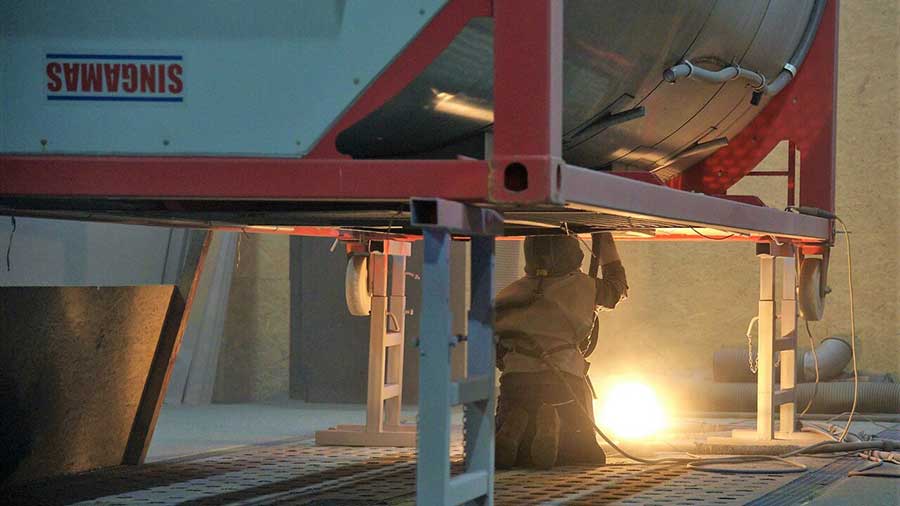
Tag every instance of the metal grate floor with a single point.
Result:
(296, 472)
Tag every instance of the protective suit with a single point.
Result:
(543, 323)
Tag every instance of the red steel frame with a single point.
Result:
(528, 50)
(804, 114)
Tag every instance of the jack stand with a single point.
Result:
(770, 254)
(438, 393)
(387, 322)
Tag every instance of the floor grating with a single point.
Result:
(298, 473)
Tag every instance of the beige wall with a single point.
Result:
(689, 299)
(253, 364)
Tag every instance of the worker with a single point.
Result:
(543, 323)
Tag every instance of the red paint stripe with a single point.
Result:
(241, 178)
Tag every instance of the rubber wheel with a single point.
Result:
(356, 286)
(809, 297)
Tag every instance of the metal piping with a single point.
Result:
(688, 69)
(760, 84)
(833, 354)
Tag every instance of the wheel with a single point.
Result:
(809, 298)
(356, 286)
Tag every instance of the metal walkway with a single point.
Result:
(296, 472)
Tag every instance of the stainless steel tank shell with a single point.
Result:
(614, 56)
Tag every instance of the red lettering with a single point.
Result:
(91, 77)
(70, 70)
(176, 85)
(148, 78)
(53, 70)
(161, 73)
(111, 73)
(129, 78)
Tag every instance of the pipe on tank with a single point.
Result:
(761, 86)
(790, 68)
(688, 69)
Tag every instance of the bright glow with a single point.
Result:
(630, 410)
(449, 103)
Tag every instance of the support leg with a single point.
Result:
(788, 349)
(783, 345)
(397, 308)
(479, 415)
(437, 393)
(378, 267)
(387, 273)
(765, 377)
(433, 462)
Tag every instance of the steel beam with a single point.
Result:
(599, 192)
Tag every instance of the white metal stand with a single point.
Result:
(387, 322)
(784, 346)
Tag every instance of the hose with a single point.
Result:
(761, 86)
(796, 60)
(831, 397)
(852, 329)
(702, 464)
(815, 354)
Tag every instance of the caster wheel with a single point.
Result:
(810, 300)
(356, 286)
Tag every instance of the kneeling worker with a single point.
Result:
(544, 322)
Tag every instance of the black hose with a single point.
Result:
(796, 59)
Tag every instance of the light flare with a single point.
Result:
(449, 103)
(630, 410)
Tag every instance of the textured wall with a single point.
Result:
(74, 364)
(253, 364)
(688, 299)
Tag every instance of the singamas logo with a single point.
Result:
(115, 77)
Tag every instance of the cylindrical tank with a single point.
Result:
(615, 55)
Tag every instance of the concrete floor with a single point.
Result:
(189, 430)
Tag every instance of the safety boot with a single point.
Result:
(508, 438)
(545, 446)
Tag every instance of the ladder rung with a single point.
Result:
(783, 397)
(467, 487)
(393, 339)
(471, 390)
(391, 390)
(785, 343)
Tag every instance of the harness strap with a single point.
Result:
(532, 349)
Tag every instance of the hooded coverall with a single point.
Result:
(541, 319)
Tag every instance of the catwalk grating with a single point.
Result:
(296, 472)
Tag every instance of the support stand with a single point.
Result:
(387, 322)
(784, 347)
(437, 392)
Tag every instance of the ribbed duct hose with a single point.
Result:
(730, 365)
(833, 398)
